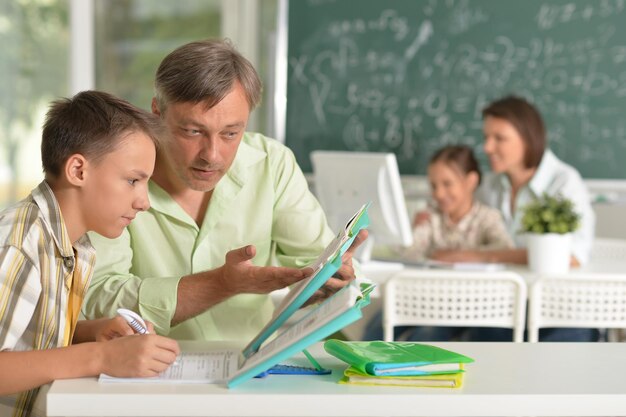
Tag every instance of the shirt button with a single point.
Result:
(68, 262)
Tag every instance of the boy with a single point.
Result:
(97, 152)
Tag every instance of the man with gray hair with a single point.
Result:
(226, 205)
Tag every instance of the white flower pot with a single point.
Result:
(549, 253)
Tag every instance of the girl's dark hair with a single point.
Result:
(526, 120)
(460, 157)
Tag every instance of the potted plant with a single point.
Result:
(548, 223)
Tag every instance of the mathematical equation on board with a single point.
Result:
(411, 83)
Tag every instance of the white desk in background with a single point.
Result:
(507, 379)
(379, 272)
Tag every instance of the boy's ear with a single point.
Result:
(472, 179)
(76, 169)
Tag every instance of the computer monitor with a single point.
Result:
(344, 181)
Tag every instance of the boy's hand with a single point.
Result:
(116, 327)
(138, 356)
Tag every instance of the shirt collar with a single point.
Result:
(542, 177)
(245, 158)
(544, 174)
(51, 213)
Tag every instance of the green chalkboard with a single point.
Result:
(410, 76)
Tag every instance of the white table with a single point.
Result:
(507, 379)
(379, 272)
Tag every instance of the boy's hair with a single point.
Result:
(526, 120)
(93, 124)
(205, 71)
(460, 157)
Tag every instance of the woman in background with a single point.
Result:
(522, 170)
(456, 222)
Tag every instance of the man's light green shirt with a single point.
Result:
(263, 200)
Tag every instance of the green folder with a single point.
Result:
(397, 358)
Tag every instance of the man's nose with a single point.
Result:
(210, 150)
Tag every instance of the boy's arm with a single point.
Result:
(102, 329)
(133, 356)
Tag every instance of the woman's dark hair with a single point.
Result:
(460, 157)
(526, 120)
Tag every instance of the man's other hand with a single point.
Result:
(344, 274)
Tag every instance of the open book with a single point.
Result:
(324, 267)
(234, 367)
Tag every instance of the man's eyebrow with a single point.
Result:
(185, 121)
(237, 124)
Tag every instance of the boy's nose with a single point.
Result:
(142, 203)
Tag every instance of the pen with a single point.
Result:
(134, 320)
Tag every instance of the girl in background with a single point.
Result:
(455, 222)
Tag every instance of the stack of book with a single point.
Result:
(398, 364)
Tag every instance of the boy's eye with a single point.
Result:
(133, 181)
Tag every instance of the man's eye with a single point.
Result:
(191, 132)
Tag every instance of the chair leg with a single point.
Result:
(615, 335)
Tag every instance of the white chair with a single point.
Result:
(608, 249)
(578, 301)
(455, 298)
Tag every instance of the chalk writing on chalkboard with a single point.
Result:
(411, 76)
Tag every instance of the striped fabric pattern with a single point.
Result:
(37, 262)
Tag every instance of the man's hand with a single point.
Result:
(239, 274)
(344, 274)
(201, 291)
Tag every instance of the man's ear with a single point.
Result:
(155, 107)
(76, 169)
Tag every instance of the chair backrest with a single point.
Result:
(607, 248)
(581, 300)
(455, 298)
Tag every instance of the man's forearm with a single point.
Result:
(199, 292)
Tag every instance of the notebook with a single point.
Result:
(354, 376)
